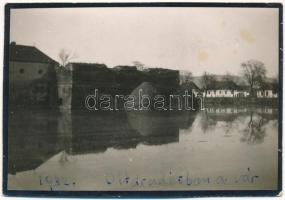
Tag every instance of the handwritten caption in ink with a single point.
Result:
(170, 179)
(54, 182)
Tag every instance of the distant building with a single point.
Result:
(229, 89)
(226, 89)
(190, 86)
(242, 92)
(32, 77)
(268, 90)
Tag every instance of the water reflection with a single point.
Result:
(96, 132)
(255, 131)
(32, 139)
(36, 136)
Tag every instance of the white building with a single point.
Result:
(264, 94)
(267, 91)
(227, 89)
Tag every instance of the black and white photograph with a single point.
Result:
(143, 98)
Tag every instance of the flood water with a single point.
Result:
(221, 148)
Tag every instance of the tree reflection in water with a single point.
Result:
(254, 132)
(255, 129)
(207, 123)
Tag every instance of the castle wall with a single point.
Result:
(117, 81)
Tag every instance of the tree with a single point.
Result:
(228, 77)
(140, 66)
(186, 77)
(65, 57)
(275, 84)
(255, 73)
(208, 80)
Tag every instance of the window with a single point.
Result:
(225, 92)
(60, 101)
(208, 92)
(266, 93)
(21, 71)
(220, 92)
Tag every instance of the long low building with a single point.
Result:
(229, 89)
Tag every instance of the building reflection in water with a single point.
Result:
(32, 139)
(96, 132)
(36, 136)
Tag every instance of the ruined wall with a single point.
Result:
(88, 77)
(120, 80)
(128, 78)
(166, 81)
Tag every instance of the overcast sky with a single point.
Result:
(216, 40)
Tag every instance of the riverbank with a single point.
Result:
(241, 101)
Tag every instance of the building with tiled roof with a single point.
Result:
(23, 53)
(32, 77)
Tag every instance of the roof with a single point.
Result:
(190, 85)
(224, 85)
(24, 53)
(269, 86)
(244, 87)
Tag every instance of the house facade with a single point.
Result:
(32, 77)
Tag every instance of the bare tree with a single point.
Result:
(187, 77)
(275, 85)
(208, 80)
(65, 57)
(140, 66)
(227, 77)
(255, 73)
